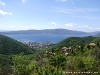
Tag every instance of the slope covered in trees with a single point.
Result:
(9, 49)
(11, 46)
(75, 41)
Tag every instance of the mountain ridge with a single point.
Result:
(45, 31)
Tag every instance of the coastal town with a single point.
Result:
(32, 44)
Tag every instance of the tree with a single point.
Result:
(58, 60)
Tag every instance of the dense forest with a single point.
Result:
(72, 56)
(10, 46)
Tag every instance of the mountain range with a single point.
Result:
(45, 31)
(52, 31)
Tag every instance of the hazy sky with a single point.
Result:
(81, 15)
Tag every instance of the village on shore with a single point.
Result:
(32, 44)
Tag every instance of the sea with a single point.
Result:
(41, 38)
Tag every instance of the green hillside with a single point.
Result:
(75, 41)
(75, 55)
(11, 46)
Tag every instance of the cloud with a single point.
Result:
(24, 1)
(52, 23)
(88, 17)
(70, 25)
(2, 3)
(62, 0)
(85, 28)
(75, 10)
(73, 25)
(83, 13)
(5, 13)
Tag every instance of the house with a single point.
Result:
(64, 49)
(91, 45)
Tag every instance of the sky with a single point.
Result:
(79, 15)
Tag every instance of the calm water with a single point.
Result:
(40, 38)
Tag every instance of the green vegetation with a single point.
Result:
(72, 56)
(10, 46)
(75, 41)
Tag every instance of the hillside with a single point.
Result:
(74, 41)
(75, 55)
(11, 46)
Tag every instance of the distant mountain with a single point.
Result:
(11, 46)
(47, 31)
(95, 33)
(98, 34)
